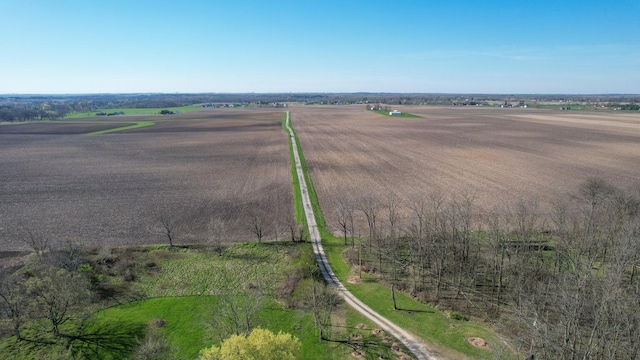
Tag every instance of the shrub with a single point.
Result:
(260, 344)
(157, 323)
(457, 316)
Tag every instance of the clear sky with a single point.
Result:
(507, 47)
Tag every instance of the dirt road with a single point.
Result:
(414, 344)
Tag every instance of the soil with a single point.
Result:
(498, 156)
(478, 343)
(110, 189)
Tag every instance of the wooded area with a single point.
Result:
(560, 285)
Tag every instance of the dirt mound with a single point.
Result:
(478, 343)
(354, 280)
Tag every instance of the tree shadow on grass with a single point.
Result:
(365, 346)
(113, 340)
(413, 311)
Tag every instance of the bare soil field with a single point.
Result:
(500, 156)
(55, 128)
(110, 189)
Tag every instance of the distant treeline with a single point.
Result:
(30, 107)
(31, 112)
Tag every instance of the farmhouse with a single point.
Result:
(395, 112)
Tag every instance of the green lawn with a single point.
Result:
(132, 111)
(186, 318)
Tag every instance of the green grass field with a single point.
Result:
(122, 128)
(132, 111)
(186, 322)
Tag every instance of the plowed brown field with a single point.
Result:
(110, 188)
(501, 156)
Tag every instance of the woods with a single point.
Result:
(561, 283)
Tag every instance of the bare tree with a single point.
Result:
(58, 296)
(169, 224)
(342, 216)
(217, 234)
(392, 205)
(293, 227)
(370, 206)
(38, 240)
(14, 304)
(236, 313)
(156, 346)
(258, 224)
(302, 236)
(71, 254)
(345, 213)
(323, 300)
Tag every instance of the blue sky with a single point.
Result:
(508, 47)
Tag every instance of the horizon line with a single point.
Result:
(318, 92)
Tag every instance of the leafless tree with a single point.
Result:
(258, 224)
(393, 208)
(38, 240)
(58, 296)
(70, 254)
(342, 216)
(322, 301)
(14, 304)
(370, 206)
(156, 346)
(293, 227)
(345, 213)
(236, 313)
(217, 234)
(169, 225)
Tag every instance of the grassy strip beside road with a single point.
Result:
(312, 191)
(295, 182)
(427, 322)
(123, 128)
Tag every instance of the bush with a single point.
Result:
(457, 316)
(157, 323)
(260, 344)
(155, 346)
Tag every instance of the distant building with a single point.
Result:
(395, 112)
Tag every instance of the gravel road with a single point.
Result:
(414, 344)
